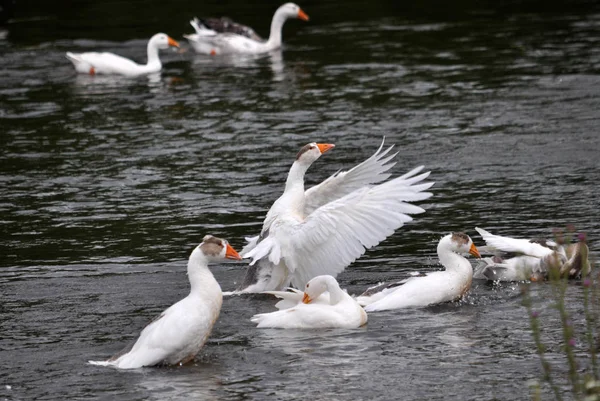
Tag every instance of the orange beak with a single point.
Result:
(324, 147)
(306, 299)
(172, 42)
(230, 253)
(473, 251)
(302, 15)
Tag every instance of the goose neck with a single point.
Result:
(152, 51)
(202, 281)
(295, 179)
(452, 261)
(336, 294)
(274, 41)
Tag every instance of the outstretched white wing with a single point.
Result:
(371, 171)
(336, 234)
(508, 244)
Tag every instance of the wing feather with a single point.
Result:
(227, 25)
(508, 244)
(371, 171)
(336, 234)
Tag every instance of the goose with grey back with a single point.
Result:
(223, 36)
(517, 259)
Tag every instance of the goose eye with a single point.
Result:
(307, 285)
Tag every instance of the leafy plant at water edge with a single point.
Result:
(582, 377)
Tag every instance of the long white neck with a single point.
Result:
(274, 41)
(154, 63)
(452, 261)
(336, 294)
(202, 281)
(295, 178)
(293, 195)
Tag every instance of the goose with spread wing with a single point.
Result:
(435, 287)
(530, 260)
(178, 333)
(93, 63)
(322, 230)
(223, 36)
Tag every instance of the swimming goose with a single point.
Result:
(292, 297)
(325, 228)
(227, 25)
(108, 63)
(434, 288)
(533, 260)
(337, 310)
(223, 36)
(178, 333)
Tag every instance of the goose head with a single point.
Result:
(291, 10)
(162, 41)
(318, 285)
(578, 262)
(311, 152)
(215, 249)
(461, 243)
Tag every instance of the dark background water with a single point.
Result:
(108, 183)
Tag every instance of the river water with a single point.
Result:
(107, 184)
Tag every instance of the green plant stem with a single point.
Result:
(536, 331)
(590, 320)
(560, 288)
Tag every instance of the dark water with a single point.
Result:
(108, 183)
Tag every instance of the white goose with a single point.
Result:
(292, 297)
(226, 37)
(533, 260)
(337, 309)
(108, 63)
(434, 288)
(178, 333)
(322, 230)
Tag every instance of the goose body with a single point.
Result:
(517, 268)
(533, 258)
(434, 288)
(322, 230)
(93, 63)
(223, 36)
(334, 309)
(178, 333)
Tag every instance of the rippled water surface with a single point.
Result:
(108, 183)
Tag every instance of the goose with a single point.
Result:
(533, 260)
(223, 36)
(335, 310)
(93, 63)
(325, 228)
(434, 288)
(180, 331)
(292, 297)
